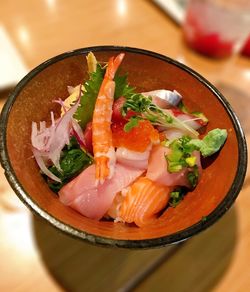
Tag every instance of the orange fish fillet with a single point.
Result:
(143, 201)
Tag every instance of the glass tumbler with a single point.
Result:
(217, 28)
(246, 49)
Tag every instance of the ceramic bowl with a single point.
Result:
(31, 100)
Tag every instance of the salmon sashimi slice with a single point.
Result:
(92, 200)
(158, 172)
(143, 201)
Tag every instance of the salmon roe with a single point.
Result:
(137, 139)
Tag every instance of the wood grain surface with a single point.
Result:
(35, 256)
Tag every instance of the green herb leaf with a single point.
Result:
(201, 116)
(92, 86)
(182, 107)
(122, 88)
(180, 154)
(133, 122)
(176, 196)
(193, 176)
(211, 143)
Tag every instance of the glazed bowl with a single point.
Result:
(31, 100)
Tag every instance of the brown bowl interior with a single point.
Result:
(34, 103)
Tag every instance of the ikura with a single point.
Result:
(137, 139)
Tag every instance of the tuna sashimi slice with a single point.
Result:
(93, 201)
(157, 168)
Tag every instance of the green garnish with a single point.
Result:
(191, 161)
(92, 86)
(122, 88)
(182, 149)
(180, 155)
(73, 160)
(182, 107)
(201, 116)
(133, 122)
(157, 116)
(193, 176)
(176, 196)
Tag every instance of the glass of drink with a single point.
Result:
(246, 49)
(217, 28)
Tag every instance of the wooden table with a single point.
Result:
(34, 256)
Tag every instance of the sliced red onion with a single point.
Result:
(164, 98)
(78, 133)
(62, 134)
(41, 164)
(50, 141)
(62, 104)
(41, 138)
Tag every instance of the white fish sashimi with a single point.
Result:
(190, 121)
(172, 134)
(91, 200)
(133, 159)
(164, 98)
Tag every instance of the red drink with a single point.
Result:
(246, 48)
(214, 29)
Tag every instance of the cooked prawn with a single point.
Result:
(104, 153)
(143, 200)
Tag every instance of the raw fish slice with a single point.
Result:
(164, 98)
(172, 134)
(133, 159)
(143, 201)
(91, 200)
(157, 168)
(188, 118)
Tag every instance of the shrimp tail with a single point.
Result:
(104, 153)
(113, 64)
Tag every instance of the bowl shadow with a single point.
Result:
(79, 266)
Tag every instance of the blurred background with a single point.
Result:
(35, 256)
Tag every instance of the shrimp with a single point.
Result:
(104, 153)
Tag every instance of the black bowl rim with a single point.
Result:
(105, 241)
